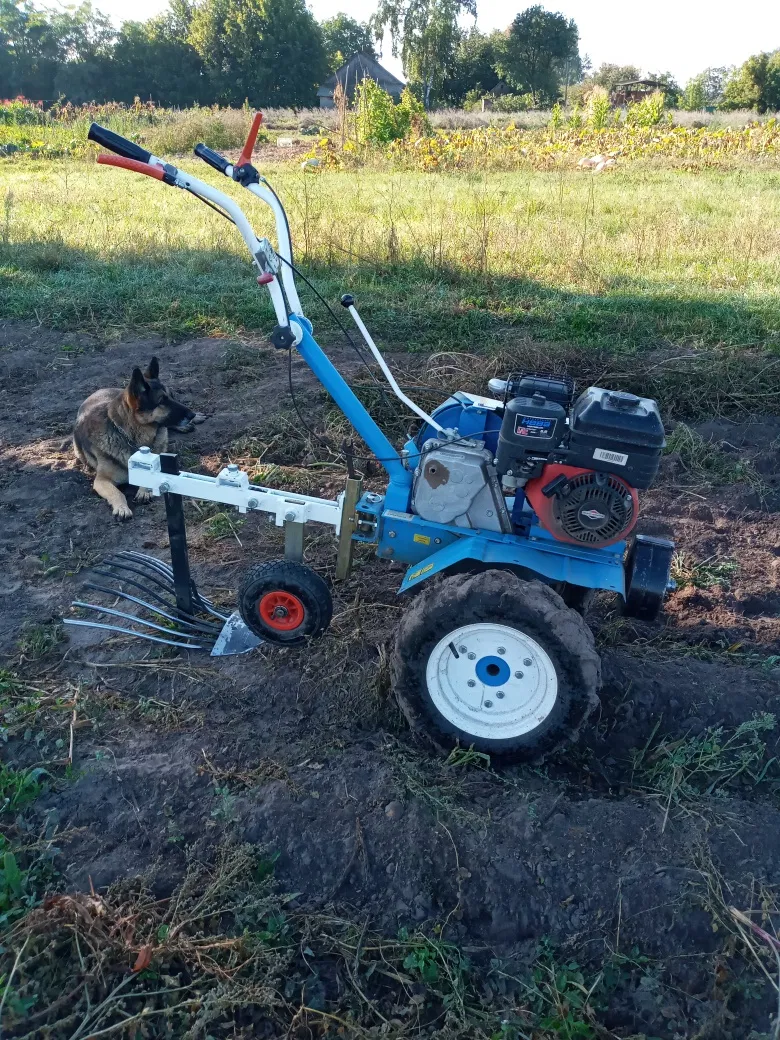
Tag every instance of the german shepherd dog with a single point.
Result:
(112, 424)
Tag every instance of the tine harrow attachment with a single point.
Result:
(150, 600)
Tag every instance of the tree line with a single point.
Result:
(274, 53)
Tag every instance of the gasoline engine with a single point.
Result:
(575, 465)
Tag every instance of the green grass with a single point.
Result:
(627, 262)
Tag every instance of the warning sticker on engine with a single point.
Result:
(614, 457)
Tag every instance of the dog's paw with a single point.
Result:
(198, 418)
(143, 495)
(123, 512)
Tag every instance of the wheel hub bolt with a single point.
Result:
(518, 675)
(471, 683)
(502, 649)
(488, 704)
(528, 662)
(280, 612)
(472, 657)
(462, 649)
(500, 695)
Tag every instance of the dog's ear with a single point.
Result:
(153, 371)
(136, 387)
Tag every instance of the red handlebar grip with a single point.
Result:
(132, 164)
(249, 147)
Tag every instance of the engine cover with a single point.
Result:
(582, 506)
(457, 484)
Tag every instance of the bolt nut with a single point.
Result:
(527, 662)
(500, 695)
(488, 704)
(391, 534)
(471, 683)
(437, 541)
(165, 487)
(472, 657)
(463, 649)
(501, 649)
(252, 503)
(289, 516)
(518, 675)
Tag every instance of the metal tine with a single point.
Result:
(127, 617)
(153, 564)
(135, 584)
(130, 632)
(112, 564)
(195, 626)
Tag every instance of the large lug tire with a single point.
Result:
(495, 663)
(284, 602)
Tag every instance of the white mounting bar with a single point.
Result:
(232, 488)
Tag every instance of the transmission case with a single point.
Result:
(457, 484)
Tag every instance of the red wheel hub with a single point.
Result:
(281, 611)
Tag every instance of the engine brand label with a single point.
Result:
(614, 457)
(533, 426)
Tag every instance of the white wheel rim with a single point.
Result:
(492, 681)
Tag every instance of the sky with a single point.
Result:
(679, 36)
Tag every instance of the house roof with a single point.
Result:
(359, 67)
(641, 83)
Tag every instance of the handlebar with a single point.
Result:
(118, 144)
(132, 164)
(214, 159)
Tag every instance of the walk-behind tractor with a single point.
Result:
(510, 510)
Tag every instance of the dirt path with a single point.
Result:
(305, 753)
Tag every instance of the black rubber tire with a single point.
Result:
(578, 597)
(295, 578)
(502, 597)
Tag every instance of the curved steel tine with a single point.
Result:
(135, 584)
(130, 632)
(165, 572)
(196, 626)
(149, 561)
(127, 617)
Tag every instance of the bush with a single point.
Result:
(21, 112)
(647, 112)
(599, 109)
(378, 120)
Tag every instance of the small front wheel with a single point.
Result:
(496, 663)
(285, 602)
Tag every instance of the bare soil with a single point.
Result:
(578, 851)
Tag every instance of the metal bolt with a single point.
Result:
(500, 694)
(527, 662)
(165, 487)
(290, 515)
(472, 657)
(518, 675)
(471, 683)
(252, 503)
(489, 512)
(391, 534)
(462, 649)
(144, 450)
(437, 541)
(488, 704)
(502, 649)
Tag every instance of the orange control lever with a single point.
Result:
(132, 164)
(249, 147)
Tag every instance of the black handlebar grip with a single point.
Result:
(116, 143)
(214, 159)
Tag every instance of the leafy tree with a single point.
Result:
(671, 88)
(428, 35)
(608, 76)
(144, 55)
(473, 67)
(32, 51)
(536, 50)
(343, 37)
(270, 52)
(756, 84)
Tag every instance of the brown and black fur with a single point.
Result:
(112, 424)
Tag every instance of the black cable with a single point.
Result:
(211, 205)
